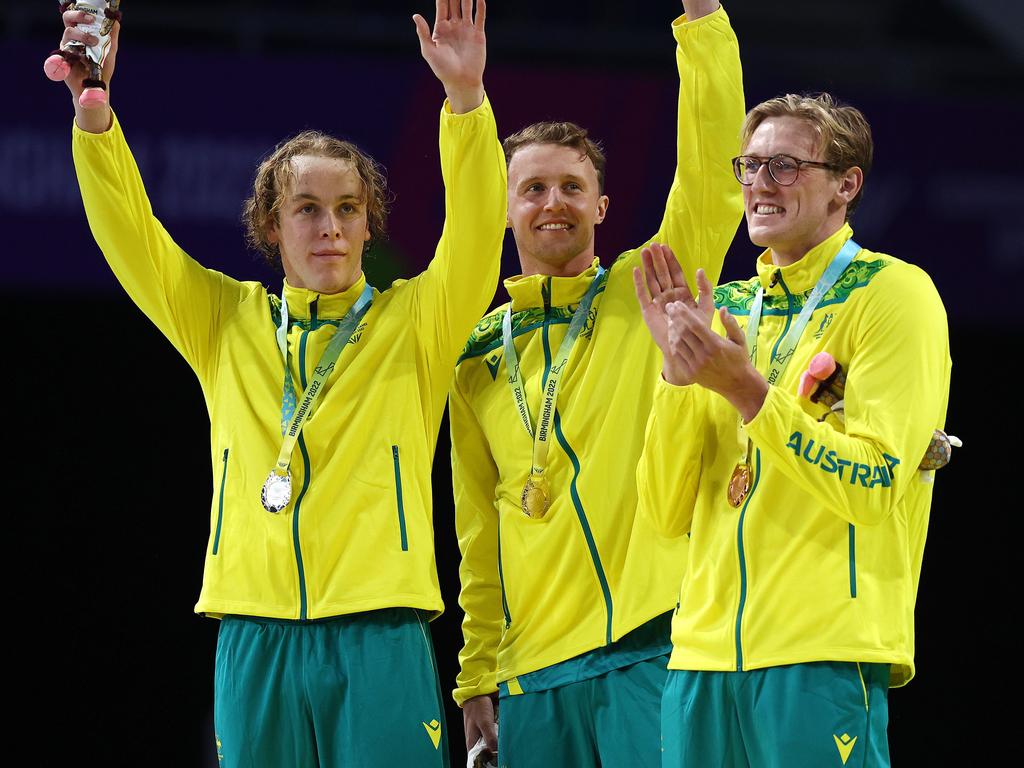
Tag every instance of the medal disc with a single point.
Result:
(739, 484)
(535, 498)
(277, 491)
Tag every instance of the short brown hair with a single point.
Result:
(562, 134)
(261, 210)
(843, 130)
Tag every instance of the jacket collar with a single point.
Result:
(802, 275)
(328, 306)
(528, 291)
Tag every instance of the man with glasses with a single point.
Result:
(808, 523)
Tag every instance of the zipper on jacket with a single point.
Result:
(853, 560)
(501, 581)
(220, 505)
(398, 496)
(757, 477)
(743, 562)
(306, 470)
(545, 292)
(585, 524)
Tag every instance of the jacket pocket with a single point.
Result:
(220, 503)
(398, 497)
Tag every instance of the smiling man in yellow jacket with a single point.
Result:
(324, 404)
(807, 530)
(567, 597)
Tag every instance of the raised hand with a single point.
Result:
(94, 119)
(456, 50)
(660, 283)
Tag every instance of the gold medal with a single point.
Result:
(739, 484)
(535, 498)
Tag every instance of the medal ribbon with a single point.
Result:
(784, 352)
(551, 385)
(293, 414)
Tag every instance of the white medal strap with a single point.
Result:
(784, 353)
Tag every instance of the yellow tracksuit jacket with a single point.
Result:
(358, 533)
(822, 560)
(539, 591)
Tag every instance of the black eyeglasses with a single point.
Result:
(782, 168)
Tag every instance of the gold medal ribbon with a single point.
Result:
(536, 487)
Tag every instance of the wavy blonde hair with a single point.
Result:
(275, 173)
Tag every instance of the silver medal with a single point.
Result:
(277, 491)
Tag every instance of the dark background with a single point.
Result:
(107, 480)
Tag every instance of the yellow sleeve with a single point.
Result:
(705, 203)
(668, 474)
(456, 289)
(179, 295)
(474, 480)
(896, 392)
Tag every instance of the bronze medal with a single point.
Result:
(535, 499)
(739, 484)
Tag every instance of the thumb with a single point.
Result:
(423, 33)
(732, 328)
(110, 58)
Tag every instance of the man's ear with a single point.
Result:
(602, 208)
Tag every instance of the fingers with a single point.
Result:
(76, 35)
(466, 11)
(661, 266)
(481, 14)
(684, 333)
(674, 270)
(641, 289)
(705, 294)
(732, 329)
(660, 276)
(109, 59)
(71, 18)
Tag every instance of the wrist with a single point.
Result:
(94, 120)
(673, 375)
(748, 397)
(465, 98)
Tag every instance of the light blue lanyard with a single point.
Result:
(784, 352)
(293, 413)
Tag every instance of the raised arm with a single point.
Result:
(95, 119)
(182, 298)
(459, 283)
(705, 203)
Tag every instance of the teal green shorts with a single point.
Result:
(609, 720)
(598, 708)
(800, 716)
(356, 690)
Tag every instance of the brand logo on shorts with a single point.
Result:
(844, 744)
(220, 752)
(434, 732)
